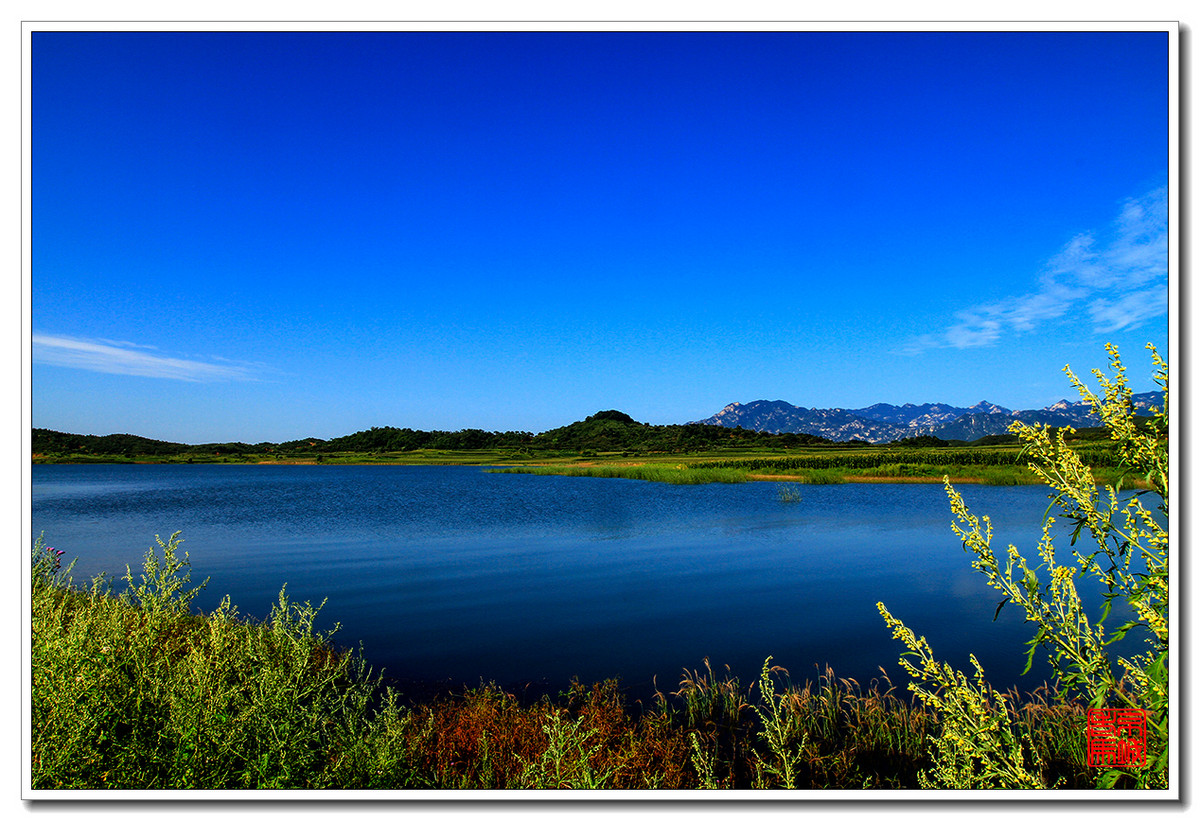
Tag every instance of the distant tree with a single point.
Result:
(613, 415)
(922, 442)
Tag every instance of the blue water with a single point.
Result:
(453, 573)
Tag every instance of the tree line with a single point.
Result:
(607, 431)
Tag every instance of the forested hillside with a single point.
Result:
(606, 431)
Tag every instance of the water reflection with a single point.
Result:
(452, 572)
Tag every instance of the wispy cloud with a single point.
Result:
(108, 356)
(1118, 279)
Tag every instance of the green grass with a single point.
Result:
(671, 474)
(985, 464)
(132, 689)
(686, 474)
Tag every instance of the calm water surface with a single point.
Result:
(455, 573)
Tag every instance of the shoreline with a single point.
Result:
(1015, 478)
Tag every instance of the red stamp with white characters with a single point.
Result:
(1116, 737)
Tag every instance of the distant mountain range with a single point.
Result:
(882, 422)
(756, 424)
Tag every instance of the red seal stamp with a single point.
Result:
(1116, 737)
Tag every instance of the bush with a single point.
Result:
(134, 691)
(1126, 552)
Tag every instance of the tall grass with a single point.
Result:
(670, 474)
(133, 690)
(785, 471)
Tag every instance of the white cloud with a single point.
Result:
(1128, 310)
(121, 343)
(1118, 280)
(130, 359)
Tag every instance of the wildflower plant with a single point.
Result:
(163, 585)
(1117, 543)
(978, 747)
(46, 564)
(780, 727)
(565, 764)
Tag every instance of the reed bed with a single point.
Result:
(680, 474)
(786, 470)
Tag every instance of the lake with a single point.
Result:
(454, 573)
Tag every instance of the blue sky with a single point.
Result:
(270, 236)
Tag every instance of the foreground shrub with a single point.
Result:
(132, 690)
(1125, 551)
(136, 691)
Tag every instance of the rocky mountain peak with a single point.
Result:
(987, 407)
(883, 422)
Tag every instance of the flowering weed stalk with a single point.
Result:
(1119, 544)
(780, 727)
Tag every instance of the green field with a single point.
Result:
(983, 465)
(996, 465)
(610, 444)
